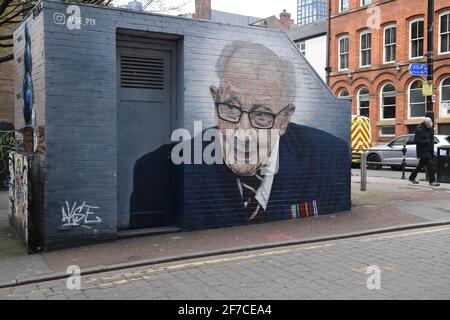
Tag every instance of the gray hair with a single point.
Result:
(426, 119)
(267, 54)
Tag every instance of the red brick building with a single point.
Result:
(372, 44)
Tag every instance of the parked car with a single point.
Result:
(391, 153)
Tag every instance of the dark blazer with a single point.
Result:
(313, 178)
(424, 140)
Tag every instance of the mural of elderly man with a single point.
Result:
(272, 168)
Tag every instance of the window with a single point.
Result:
(311, 10)
(444, 128)
(400, 141)
(390, 42)
(302, 47)
(417, 102)
(363, 102)
(344, 5)
(366, 2)
(343, 52)
(365, 48)
(343, 94)
(416, 39)
(388, 101)
(387, 131)
(445, 97)
(444, 32)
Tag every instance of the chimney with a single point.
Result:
(285, 18)
(203, 9)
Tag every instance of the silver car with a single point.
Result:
(391, 153)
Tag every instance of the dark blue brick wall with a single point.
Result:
(80, 103)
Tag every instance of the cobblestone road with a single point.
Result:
(414, 264)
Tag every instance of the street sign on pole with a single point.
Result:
(418, 69)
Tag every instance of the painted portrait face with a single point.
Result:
(251, 107)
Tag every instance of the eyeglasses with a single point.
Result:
(258, 119)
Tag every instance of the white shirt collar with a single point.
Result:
(268, 171)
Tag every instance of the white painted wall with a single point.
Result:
(316, 54)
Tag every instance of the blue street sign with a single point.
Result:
(418, 69)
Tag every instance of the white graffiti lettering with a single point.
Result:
(76, 216)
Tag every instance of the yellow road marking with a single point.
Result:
(402, 235)
(91, 280)
(364, 269)
(269, 253)
(105, 284)
(112, 278)
(132, 274)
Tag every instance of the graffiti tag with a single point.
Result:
(7, 144)
(74, 216)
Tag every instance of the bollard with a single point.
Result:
(364, 171)
(404, 150)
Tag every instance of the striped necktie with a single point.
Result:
(250, 186)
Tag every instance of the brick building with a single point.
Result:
(203, 11)
(372, 44)
(109, 95)
(6, 82)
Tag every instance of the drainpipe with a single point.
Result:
(328, 68)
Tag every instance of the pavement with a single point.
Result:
(397, 265)
(389, 204)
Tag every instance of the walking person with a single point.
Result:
(424, 140)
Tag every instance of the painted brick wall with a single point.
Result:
(36, 163)
(80, 112)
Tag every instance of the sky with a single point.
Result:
(255, 8)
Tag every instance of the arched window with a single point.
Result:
(417, 102)
(388, 101)
(363, 102)
(445, 97)
(343, 93)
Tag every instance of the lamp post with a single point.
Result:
(328, 67)
(429, 55)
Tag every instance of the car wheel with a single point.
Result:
(374, 158)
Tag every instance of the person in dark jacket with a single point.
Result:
(424, 140)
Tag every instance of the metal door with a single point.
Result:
(144, 118)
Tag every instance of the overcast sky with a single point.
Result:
(255, 8)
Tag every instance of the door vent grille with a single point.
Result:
(141, 73)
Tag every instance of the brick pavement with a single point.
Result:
(414, 265)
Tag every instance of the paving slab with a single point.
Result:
(388, 204)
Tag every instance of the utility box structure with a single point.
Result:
(141, 120)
